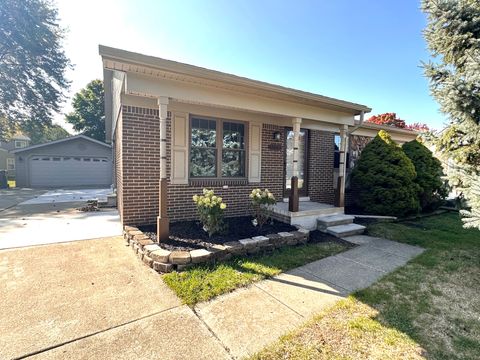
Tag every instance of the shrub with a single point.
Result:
(210, 210)
(429, 175)
(384, 179)
(262, 202)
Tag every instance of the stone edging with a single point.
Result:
(163, 260)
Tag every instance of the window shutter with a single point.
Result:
(179, 160)
(255, 153)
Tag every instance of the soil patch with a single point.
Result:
(189, 235)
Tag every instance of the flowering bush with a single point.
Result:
(210, 210)
(262, 203)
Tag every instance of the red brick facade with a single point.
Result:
(137, 169)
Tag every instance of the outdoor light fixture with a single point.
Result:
(277, 136)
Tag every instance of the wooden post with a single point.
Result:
(293, 201)
(163, 230)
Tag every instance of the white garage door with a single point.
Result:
(51, 171)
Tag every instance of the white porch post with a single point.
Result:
(342, 166)
(293, 202)
(162, 220)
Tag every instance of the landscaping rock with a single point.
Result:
(160, 255)
(234, 247)
(180, 257)
(300, 237)
(140, 237)
(151, 248)
(132, 233)
(200, 255)
(147, 260)
(184, 267)
(248, 243)
(130, 228)
(275, 239)
(162, 267)
(144, 242)
(218, 252)
(261, 240)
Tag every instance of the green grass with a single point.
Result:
(203, 283)
(11, 183)
(428, 308)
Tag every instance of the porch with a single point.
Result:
(307, 214)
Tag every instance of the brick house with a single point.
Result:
(178, 128)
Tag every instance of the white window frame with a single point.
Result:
(20, 144)
(10, 162)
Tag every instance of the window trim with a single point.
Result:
(21, 142)
(11, 161)
(219, 148)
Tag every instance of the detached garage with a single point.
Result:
(76, 161)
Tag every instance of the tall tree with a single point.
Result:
(88, 115)
(44, 133)
(453, 37)
(32, 62)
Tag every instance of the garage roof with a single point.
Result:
(61, 141)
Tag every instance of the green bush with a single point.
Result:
(210, 211)
(384, 179)
(429, 175)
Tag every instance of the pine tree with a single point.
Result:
(429, 174)
(453, 37)
(384, 179)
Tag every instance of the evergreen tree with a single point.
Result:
(384, 179)
(453, 37)
(429, 174)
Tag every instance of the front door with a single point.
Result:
(302, 162)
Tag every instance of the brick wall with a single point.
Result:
(137, 168)
(320, 167)
(141, 165)
(236, 196)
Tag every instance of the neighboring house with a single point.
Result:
(178, 128)
(7, 158)
(75, 161)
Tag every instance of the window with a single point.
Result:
(10, 164)
(20, 144)
(56, 159)
(217, 149)
(336, 157)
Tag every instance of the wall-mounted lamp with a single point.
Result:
(277, 136)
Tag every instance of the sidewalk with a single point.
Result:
(231, 326)
(246, 320)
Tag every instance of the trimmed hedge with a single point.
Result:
(429, 175)
(384, 179)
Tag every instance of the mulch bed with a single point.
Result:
(189, 235)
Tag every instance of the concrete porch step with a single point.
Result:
(323, 222)
(345, 230)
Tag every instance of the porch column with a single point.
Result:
(342, 171)
(293, 202)
(162, 220)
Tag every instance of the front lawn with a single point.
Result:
(428, 308)
(204, 282)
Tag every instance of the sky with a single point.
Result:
(364, 51)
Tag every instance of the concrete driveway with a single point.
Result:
(34, 217)
(93, 300)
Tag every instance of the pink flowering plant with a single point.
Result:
(262, 204)
(210, 210)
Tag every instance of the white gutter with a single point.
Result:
(362, 118)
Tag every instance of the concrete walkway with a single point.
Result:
(95, 300)
(246, 320)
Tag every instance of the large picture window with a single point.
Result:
(217, 149)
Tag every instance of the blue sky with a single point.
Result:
(367, 52)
